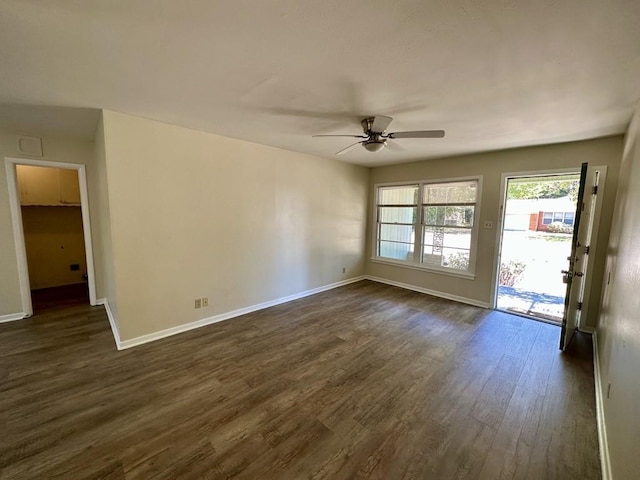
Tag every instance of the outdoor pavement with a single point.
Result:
(540, 291)
(518, 300)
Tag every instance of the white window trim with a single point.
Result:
(469, 274)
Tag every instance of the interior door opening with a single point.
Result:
(53, 236)
(52, 233)
(535, 243)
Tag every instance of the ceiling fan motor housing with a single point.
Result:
(374, 145)
(367, 123)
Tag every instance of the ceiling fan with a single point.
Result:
(375, 137)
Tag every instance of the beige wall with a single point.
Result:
(54, 240)
(103, 254)
(56, 149)
(618, 330)
(491, 166)
(198, 215)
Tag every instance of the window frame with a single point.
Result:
(417, 264)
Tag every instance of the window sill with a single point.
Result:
(413, 266)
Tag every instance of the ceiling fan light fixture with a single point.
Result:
(373, 146)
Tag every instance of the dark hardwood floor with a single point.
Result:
(46, 299)
(364, 381)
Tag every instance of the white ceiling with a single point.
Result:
(78, 123)
(494, 74)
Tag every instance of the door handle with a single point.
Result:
(578, 274)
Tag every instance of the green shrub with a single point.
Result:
(459, 261)
(559, 227)
(511, 273)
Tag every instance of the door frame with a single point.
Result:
(503, 200)
(18, 227)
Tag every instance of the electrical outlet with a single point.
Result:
(198, 303)
(609, 390)
(344, 269)
(205, 301)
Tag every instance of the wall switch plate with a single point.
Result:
(198, 303)
(205, 301)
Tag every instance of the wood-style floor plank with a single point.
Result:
(364, 381)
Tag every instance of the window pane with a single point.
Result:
(458, 259)
(427, 236)
(432, 258)
(458, 216)
(547, 218)
(397, 233)
(404, 195)
(451, 192)
(457, 238)
(433, 239)
(434, 215)
(568, 218)
(448, 257)
(436, 237)
(397, 214)
(557, 216)
(399, 251)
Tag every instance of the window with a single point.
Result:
(397, 213)
(429, 225)
(562, 217)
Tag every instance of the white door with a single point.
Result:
(574, 275)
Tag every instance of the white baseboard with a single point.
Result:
(435, 293)
(12, 317)
(150, 337)
(605, 461)
(112, 321)
(122, 344)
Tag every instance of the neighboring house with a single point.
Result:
(538, 214)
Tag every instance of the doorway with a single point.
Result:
(49, 207)
(535, 241)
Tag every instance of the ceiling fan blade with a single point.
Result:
(380, 123)
(418, 134)
(394, 147)
(345, 150)
(350, 136)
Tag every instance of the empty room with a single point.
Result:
(319, 240)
